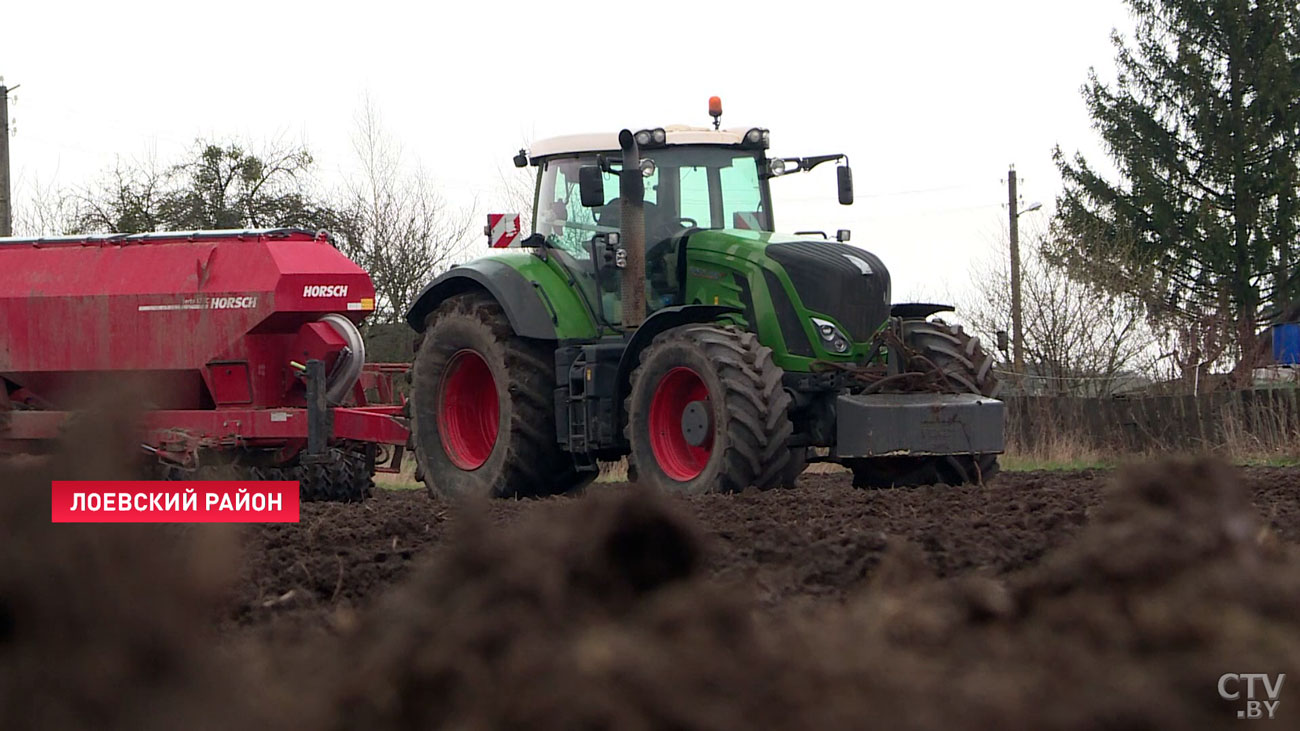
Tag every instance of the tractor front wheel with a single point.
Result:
(707, 412)
(483, 407)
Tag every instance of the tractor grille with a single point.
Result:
(792, 330)
(829, 279)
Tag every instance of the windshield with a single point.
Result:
(692, 186)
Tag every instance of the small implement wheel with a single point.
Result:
(708, 413)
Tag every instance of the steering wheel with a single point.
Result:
(656, 255)
(685, 225)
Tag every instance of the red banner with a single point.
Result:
(147, 501)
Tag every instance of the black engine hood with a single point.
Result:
(844, 282)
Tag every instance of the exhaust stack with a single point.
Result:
(632, 199)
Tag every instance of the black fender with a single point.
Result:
(917, 310)
(662, 321)
(528, 314)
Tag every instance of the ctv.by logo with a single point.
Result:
(1230, 689)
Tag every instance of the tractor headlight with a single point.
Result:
(647, 167)
(655, 137)
(777, 166)
(756, 137)
(832, 337)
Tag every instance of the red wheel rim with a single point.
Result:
(467, 420)
(678, 458)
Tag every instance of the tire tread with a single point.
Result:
(758, 433)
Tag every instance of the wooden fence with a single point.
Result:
(1264, 419)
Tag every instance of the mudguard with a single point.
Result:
(918, 310)
(662, 320)
(530, 315)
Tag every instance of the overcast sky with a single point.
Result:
(930, 100)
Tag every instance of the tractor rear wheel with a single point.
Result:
(483, 406)
(707, 412)
(965, 368)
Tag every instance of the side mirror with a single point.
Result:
(844, 176)
(591, 186)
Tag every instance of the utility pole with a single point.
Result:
(1017, 331)
(6, 206)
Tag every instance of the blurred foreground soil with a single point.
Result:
(1064, 600)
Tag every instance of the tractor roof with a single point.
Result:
(677, 134)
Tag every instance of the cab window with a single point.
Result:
(742, 198)
(562, 218)
(693, 191)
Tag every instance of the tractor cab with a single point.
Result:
(693, 179)
(711, 182)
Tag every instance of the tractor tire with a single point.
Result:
(961, 358)
(483, 407)
(798, 463)
(707, 412)
(968, 369)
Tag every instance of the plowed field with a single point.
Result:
(1063, 599)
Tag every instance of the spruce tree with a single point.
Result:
(1202, 127)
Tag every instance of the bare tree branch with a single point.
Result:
(45, 210)
(393, 222)
(1079, 339)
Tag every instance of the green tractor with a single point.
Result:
(654, 314)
